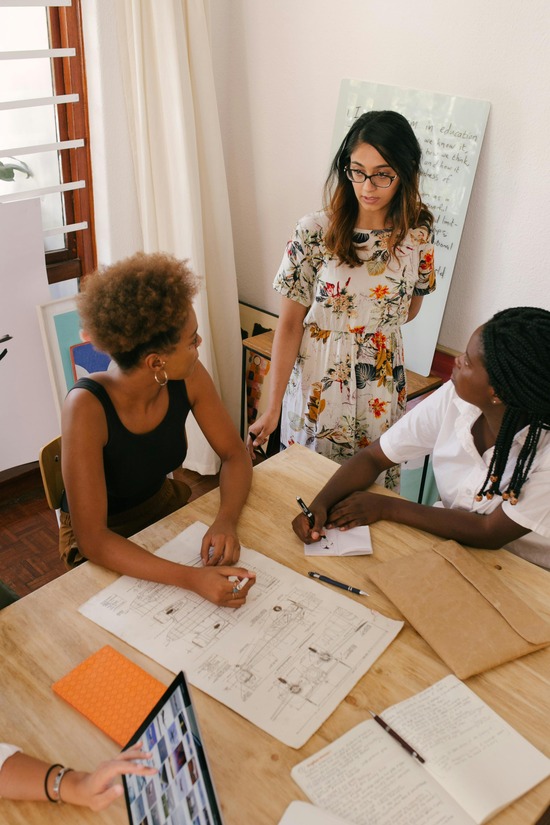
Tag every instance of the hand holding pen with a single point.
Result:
(306, 511)
(308, 534)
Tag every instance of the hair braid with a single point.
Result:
(516, 345)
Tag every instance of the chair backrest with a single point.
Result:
(50, 468)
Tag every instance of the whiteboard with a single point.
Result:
(450, 131)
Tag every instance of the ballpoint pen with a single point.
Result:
(396, 736)
(307, 512)
(337, 584)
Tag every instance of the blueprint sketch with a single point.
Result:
(284, 660)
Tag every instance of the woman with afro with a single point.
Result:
(123, 431)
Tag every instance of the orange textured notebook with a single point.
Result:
(112, 692)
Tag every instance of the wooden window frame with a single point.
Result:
(79, 258)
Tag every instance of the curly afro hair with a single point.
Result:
(137, 306)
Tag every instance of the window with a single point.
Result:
(44, 132)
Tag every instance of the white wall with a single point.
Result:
(278, 66)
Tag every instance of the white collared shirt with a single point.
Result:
(6, 751)
(442, 425)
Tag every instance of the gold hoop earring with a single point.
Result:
(161, 383)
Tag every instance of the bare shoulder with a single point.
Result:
(82, 410)
(200, 385)
(80, 399)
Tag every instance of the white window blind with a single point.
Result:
(31, 152)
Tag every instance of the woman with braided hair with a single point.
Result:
(488, 432)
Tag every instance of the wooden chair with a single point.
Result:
(50, 469)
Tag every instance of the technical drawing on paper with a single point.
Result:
(284, 660)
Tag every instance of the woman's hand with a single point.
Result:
(284, 351)
(356, 509)
(221, 585)
(260, 430)
(220, 543)
(308, 534)
(98, 790)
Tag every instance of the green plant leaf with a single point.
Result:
(6, 173)
(8, 170)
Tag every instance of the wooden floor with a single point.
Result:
(28, 530)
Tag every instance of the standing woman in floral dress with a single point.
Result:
(350, 277)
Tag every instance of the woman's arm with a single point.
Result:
(358, 473)
(286, 345)
(414, 307)
(22, 778)
(221, 544)
(343, 502)
(490, 531)
(84, 433)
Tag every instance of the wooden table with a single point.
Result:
(43, 637)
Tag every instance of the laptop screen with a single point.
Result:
(182, 792)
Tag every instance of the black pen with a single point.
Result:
(396, 736)
(348, 587)
(307, 512)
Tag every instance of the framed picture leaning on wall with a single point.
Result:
(60, 330)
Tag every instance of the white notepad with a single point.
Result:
(354, 542)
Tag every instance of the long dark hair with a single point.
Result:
(391, 135)
(516, 352)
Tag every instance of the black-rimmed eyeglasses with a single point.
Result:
(380, 179)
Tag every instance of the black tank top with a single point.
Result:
(137, 464)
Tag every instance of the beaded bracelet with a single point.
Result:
(57, 782)
(50, 769)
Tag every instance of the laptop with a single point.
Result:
(182, 792)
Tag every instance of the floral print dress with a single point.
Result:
(348, 384)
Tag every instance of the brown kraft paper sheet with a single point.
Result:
(470, 618)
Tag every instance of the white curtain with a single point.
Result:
(180, 173)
